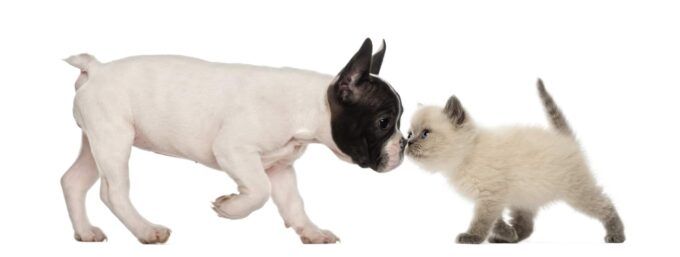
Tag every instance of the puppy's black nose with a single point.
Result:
(402, 143)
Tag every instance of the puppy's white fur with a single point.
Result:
(230, 117)
(520, 168)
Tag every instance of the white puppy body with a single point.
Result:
(251, 122)
(182, 106)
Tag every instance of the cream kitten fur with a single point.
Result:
(519, 168)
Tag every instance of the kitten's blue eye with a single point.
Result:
(425, 133)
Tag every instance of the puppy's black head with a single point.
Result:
(366, 112)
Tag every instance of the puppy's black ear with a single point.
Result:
(349, 84)
(454, 111)
(376, 63)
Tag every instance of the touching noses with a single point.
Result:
(402, 143)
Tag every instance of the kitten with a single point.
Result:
(519, 168)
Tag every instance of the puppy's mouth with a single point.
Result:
(387, 163)
(384, 167)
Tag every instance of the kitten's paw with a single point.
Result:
(615, 238)
(91, 234)
(467, 238)
(503, 233)
(494, 239)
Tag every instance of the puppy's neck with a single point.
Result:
(324, 133)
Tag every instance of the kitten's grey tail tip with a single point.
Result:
(557, 119)
(539, 83)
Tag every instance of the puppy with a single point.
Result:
(251, 122)
(519, 168)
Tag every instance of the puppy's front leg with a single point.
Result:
(287, 199)
(245, 168)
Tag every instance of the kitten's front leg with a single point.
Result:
(503, 233)
(287, 199)
(486, 213)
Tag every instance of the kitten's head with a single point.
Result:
(439, 136)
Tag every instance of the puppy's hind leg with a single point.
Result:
(111, 144)
(75, 183)
(591, 201)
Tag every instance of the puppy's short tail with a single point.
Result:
(553, 112)
(84, 62)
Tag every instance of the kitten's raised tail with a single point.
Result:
(553, 112)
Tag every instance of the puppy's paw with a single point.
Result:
(232, 207)
(90, 234)
(317, 236)
(155, 234)
(615, 238)
(467, 238)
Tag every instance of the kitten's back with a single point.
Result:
(528, 151)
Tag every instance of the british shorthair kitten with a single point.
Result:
(518, 168)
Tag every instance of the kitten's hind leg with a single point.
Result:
(486, 213)
(594, 203)
(523, 222)
(521, 226)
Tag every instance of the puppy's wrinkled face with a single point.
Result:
(436, 134)
(366, 113)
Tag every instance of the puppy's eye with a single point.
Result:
(384, 123)
(425, 133)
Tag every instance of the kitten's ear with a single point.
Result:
(454, 111)
(348, 83)
(377, 59)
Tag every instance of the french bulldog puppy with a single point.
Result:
(251, 122)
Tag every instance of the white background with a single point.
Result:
(613, 67)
